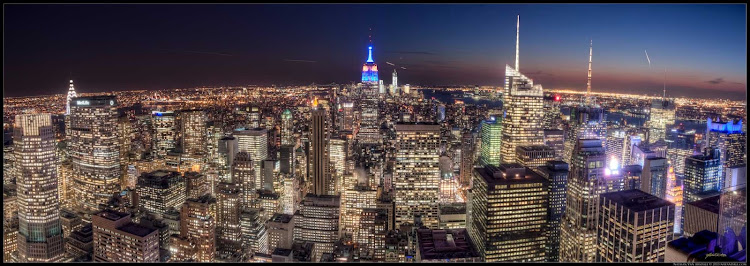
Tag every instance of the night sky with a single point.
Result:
(123, 47)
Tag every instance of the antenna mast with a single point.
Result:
(518, 25)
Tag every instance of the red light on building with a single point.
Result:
(557, 98)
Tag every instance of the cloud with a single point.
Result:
(716, 81)
(299, 60)
(540, 73)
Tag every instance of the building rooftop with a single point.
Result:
(112, 215)
(534, 148)
(636, 200)
(281, 218)
(512, 173)
(137, 229)
(710, 203)
(445, 244)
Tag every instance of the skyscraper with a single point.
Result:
(467, 159)
(39, 236)
(589, 178)
(731, 141)
(416, 173)
(287, 128)
(556, 173)
(662, 114)
(370, 69)
(193, 132)
(160, 191)
(165, 132)
(118, 239)
(654, 177)
(491, 142)
(228, 206)
(318, 222)
(555, 138)
(71, 94)
(533, 156)
(523, 110)
(633, 226)
(702, 174)
(255, 143)
(319, 133)
(508, 209)
(394, 83)
(198, 227)
(94, 152)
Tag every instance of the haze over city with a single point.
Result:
(127, 47)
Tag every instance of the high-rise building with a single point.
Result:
(318, 222)
(287, 128)
(633, 226)
(589, 178)
(196, 185)
(586, 122)
(337, 154)
(394, 83)
(556, 173)
(555, 138)
(533, 156)
(118, 239)
(165, 132)
(370, 69)
(319, 152)
(40, 237)
(71, 94)
(731, 141)
(615, 145)
(353, 202)
(94, 152)
(467, 160)
(281, 231)
(654, 177)
(243, 172)
(193, 132)
(254, 233)
(491, 142)
(160, 191)
(228, 206)
(702, 174)
(347, 118)
(701, 215)
(198, 227)
(508, 210)
(662, 114)
(254, 142)
(416, 173)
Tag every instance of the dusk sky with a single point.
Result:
(123, 47)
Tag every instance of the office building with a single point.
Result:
(556, 173)
(555, 138)
(96, 172)
(254, 233)
(633, 226)
(445, 245)
(40, 236)
(193, 132)
(467, 159)
(228, 206)
(318, 223)
(416, 173)
(662, 114)
(287, 128)
(731, 140)
(118, 239)
(319, 153)
(198, 227)
(280, 231)
(196, 185)
(508, 210)
(165, 132)
(353, 202)
(255, 143)
(533, 156)
(702, 174)
(701, 215)
(654, 178)
(491, 140)
(160, 191)
(589, 178)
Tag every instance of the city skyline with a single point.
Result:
(160, 49)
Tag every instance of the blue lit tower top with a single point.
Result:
(370, 69)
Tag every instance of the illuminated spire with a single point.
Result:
(518, 25)
(369, 55)
(71, 94)
(664, 93)
(588, 84)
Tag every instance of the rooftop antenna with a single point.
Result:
(664, 93)
(518, 25)
(588, 83)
